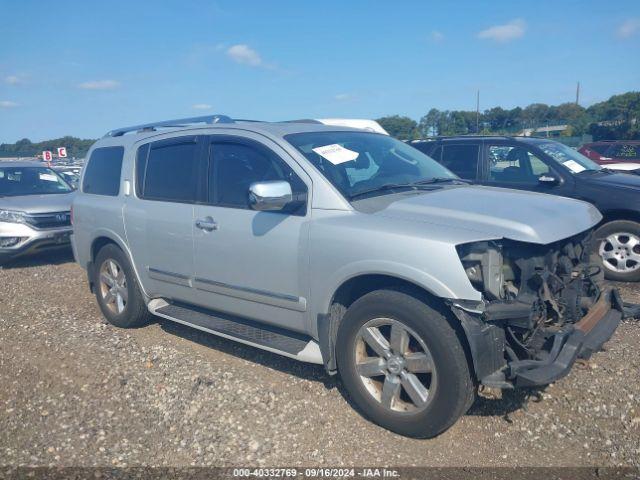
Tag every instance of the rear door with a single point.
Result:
(159, 216)
(462, 158)
(249, 263)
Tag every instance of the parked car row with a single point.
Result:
(356, 251)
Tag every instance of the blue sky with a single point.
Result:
(84, 67)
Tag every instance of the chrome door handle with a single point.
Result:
(207, 224)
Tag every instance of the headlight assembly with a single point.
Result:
(12, 216)
(484, 266)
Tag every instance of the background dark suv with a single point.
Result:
(542, 165)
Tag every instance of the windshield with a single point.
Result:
(574, 161)
(16, 181)
(361, 162)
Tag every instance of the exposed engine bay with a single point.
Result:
(534, 297)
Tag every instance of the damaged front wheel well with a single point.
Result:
(355, 288)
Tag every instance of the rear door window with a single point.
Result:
(102, 175)
(168, 170)
(461, 160)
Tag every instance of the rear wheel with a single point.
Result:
(401, 362)
(117, 290)
(618, 246)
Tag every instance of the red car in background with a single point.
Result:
(614, 151)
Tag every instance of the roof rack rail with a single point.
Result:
(302, 120)
(179, 122)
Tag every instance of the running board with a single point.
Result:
(267, 337)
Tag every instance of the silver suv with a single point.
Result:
(344, 248)
(35, 204)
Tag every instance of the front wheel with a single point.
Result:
(618, 246)
(402, 363)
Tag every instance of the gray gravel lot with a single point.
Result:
(76, 391)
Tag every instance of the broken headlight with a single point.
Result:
(483, 263)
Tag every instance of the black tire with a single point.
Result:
(600, 236)
(455, 390)
(135, 312)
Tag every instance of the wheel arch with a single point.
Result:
(619, 214)
(102, 239)
(359, 285)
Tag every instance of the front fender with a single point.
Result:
(392, 269)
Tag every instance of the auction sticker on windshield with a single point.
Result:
(48, 177)
(336, 153)
(574, 166)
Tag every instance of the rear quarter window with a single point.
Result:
(103, 171)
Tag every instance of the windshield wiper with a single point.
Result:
(419, 185)
(386, 186)
(430, 181)
(591, 170)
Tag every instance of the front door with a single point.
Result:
(516, 166)
(249, 263)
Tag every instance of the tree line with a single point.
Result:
(616, 118)
(76, 147)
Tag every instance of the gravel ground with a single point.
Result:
(75, 391)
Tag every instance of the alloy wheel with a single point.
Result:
(113, 286)
(620, 252)
(395, 365)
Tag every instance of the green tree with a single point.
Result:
(403, 128)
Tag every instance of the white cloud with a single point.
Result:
(504, 33)
(99, 85)
(342, 97)
(245, 55)
(7, 104)
(437, 36)
(201, 106)
(628, 28)
(12, 80)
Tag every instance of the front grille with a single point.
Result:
(49, 220)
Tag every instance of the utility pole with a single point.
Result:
(578, 94)
(478, 112)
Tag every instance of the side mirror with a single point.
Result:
(270, 196)
(548, 179)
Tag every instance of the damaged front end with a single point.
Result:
(543, 307)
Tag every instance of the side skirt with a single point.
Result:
(273, 339)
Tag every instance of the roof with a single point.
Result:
(214, 122)
(268, 129)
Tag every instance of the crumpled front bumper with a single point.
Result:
(579, 340)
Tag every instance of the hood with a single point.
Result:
(38, 203)
(495, 212)
(608, 180)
